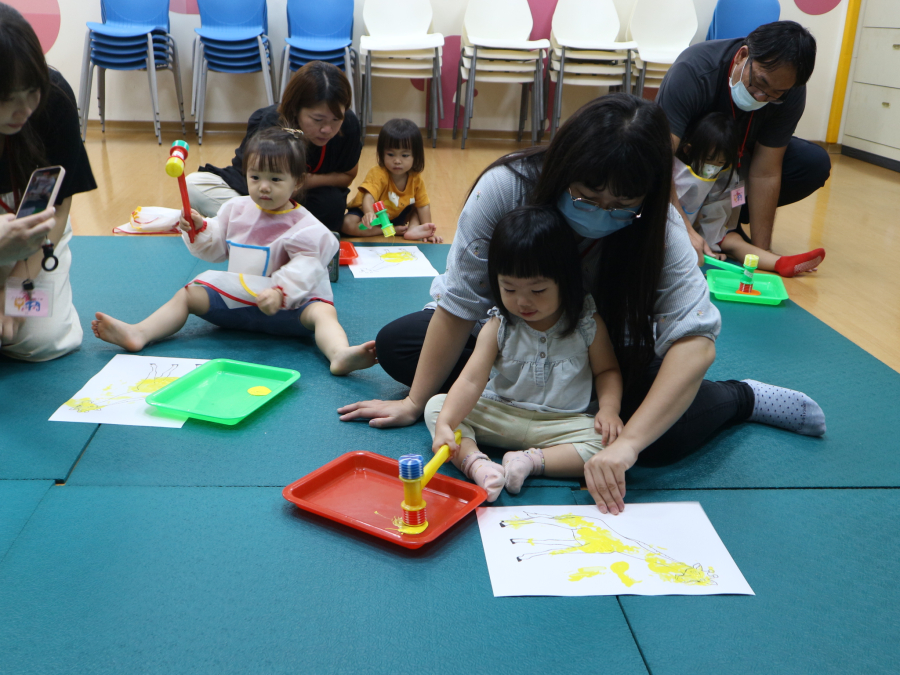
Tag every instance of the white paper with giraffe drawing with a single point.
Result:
(650, 549)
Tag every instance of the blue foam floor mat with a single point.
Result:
(823, 566)
(18, 500)
(300, 431)
(212, 580)
(787, 346)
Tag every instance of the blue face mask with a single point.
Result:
(590, 224)
(741, 96)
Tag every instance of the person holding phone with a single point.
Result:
(39, 127)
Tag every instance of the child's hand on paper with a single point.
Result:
(185, 226)
(443, 435)
(608, 424)
(269, 301)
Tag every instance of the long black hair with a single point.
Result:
(24, 68)
(535, 241)
(621, 143)
(710, 136)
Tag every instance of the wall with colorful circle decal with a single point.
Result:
(43, 15)
(815, 7)
(60, 25)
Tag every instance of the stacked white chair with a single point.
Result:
(662, 29)
(496, 47)
(400, 44)
(584, 50)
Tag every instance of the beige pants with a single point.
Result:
(511, 428)
(208, 192)
(46, 338)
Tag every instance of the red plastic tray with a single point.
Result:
(348, 253)
(362, 490)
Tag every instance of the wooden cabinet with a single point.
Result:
(872, 120)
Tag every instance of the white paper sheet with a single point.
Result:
(649, 549)
(116, 394)
(382, 262)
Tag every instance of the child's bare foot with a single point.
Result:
(354, 358)
(118, 332)
(424, 232)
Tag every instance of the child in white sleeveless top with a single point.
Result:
(705, 176)
(528, 383)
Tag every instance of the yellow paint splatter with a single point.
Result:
(151, 385)
(82, 405)
(259, 391)
(397, 256)
(677, 572)
(397, 522)
(619, 568)
(586, 573)
(596, 539)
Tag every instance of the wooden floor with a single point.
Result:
(854, 217)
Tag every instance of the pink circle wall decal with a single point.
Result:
(816, 6)
(184, 6)
(43, 15)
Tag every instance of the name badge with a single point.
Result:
(738, 198)
(36, 303)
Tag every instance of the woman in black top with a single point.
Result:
(316, 102)
(38, 127)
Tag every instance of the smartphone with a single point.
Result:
(42, 189)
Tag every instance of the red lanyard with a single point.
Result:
(7, 207)
(319, 165)
(734, 115)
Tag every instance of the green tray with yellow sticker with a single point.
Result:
(223, 390)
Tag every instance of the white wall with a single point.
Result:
(232, 98)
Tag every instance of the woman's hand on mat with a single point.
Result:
(443, 435)
(269, 301)
(382, 413)
(21, 237)
(186, 226)
(608, 424)
(604, 474)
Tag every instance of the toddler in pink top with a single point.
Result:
(277, 252)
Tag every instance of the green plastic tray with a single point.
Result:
(723, 285)
(217, 390)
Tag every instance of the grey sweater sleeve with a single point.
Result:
(682, 307)
(464, 289)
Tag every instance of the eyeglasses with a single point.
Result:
(590, 206)
(775, 100)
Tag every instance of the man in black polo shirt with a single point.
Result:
(761, 81)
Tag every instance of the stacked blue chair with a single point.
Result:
(134, 35)
(320, 31)
(739, 18)
(232, 38)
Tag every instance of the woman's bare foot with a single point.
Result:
(424, 232)
(118, 332)
(354, 358)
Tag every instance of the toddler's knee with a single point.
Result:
(432, 410)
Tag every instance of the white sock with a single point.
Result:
(787, 409)
(482, 471)
(521, 464)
